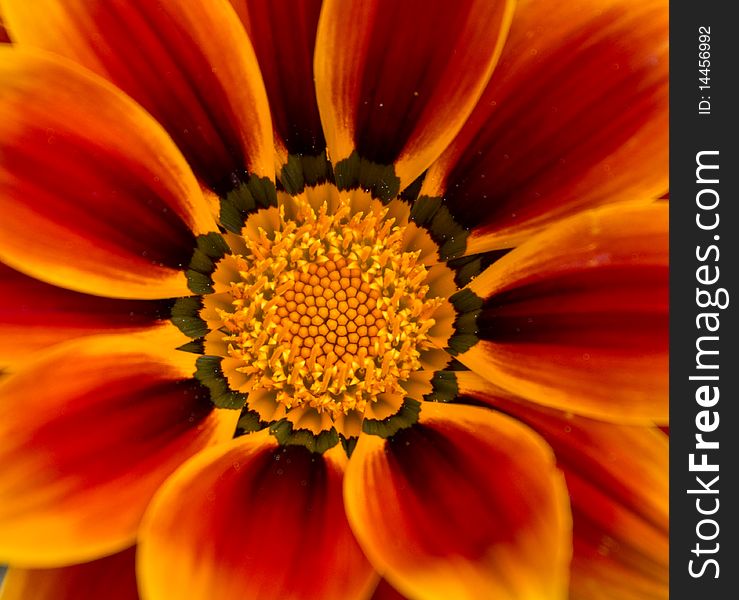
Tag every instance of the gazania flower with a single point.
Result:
(360, 299)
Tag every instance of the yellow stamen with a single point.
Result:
(330, 311)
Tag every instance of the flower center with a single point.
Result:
(328, 310)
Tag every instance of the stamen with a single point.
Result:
(330, 311)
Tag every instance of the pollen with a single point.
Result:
(329, 310)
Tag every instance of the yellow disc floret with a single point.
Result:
(329, 311)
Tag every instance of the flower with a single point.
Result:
(262, 342)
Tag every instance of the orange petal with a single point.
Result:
(190, 64)
(396, 81)
(618, 483)
(35, 315)
(274, 522)
(284, 35)
(88, 432)
(112, 578)
(94, 195)
(574, 116)
(577, 317)
(468, 504)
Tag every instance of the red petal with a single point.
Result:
(94, 195)
(577, 317)
(4, 38)
(396, 80)
(618, 483)
(88, 432)
(35, 315)
(284, 35)
(574, 116)
(385, 591)
(190, 64)
(112, 578)
(466, 504)
(274, 523)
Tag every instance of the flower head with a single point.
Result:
(333, 300)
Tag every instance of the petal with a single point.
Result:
(112, 578)
(190, 64)
(35, 315)
(574, 116)
(94, 195)
(4, 38)
(384, 591)
(396, 81)
(284, 35)
(438, 522)
(577, 317)
(618, 482)
(274, 521)
(89, 431)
